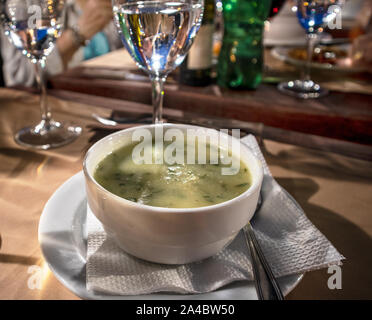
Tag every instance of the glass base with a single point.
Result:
(302, 89)
(47, 135)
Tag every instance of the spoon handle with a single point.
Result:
(266, 285)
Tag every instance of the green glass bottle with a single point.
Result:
(240, 61)
(196, 69)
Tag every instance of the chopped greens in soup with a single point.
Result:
(170, 186)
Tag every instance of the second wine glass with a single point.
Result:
(158, 35)
(313, 16)
(33, 27)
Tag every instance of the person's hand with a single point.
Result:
(96, 15)
(362, 50)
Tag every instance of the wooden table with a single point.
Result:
(334, 191)
(341, 115)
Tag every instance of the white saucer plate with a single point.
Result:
(63, 238)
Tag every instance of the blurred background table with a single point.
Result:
(344, 115)
(334, 191)
(341, 115)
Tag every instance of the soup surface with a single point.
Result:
(170, 186)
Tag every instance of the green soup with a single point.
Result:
(170, 186)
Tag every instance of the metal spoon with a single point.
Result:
(113, 123)
(266, 285)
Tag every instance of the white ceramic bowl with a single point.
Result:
(168, 235)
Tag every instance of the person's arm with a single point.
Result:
(96, 15)
(361, 51)
(17, 69)
(67, 46)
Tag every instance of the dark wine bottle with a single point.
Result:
(196, 69)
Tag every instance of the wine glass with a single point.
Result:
(33, 27)
(313, 16)
(158, 35)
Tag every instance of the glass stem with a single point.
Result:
(157, 98)
(46, 115)
(311, 40)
